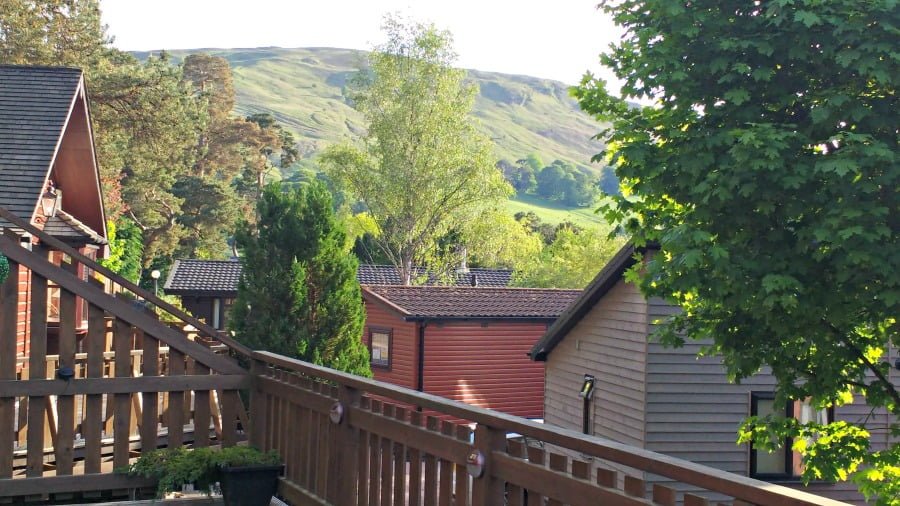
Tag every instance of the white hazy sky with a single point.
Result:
(556, 39)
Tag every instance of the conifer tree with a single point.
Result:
(298, 294)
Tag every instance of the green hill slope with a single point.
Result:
(303, 89)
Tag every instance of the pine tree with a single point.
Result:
(298, 294)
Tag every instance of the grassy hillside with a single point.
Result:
(303, 88)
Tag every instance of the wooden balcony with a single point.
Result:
(133, 383)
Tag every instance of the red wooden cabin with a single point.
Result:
(47, 151)
(468, 344)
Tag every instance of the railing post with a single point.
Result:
(346, 465)
(258, 407)
(487, 490)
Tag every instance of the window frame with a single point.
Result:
(382, 364)
(792, 459)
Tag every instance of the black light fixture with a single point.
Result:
(65, 373)
(51, 200)
(587, 388)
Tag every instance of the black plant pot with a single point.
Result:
(250, 486)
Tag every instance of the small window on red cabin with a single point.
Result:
(380, 347)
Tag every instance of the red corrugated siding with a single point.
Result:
(486, 366)
(404, 345)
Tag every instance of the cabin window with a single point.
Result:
(216, 314)
(380, 347)
(782, 464)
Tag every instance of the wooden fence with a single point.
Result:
(348, 440)
(125, 383)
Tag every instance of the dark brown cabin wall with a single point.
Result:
(486, 366)
(199, 307)
(404, 345)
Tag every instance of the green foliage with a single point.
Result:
(125, 249)
(176, 467)
(562, 182)
(425, 169)
(305, 89)
(767, 172)
(298, 294)
(4, 268)
(571, 260)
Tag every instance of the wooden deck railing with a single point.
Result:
(348, 440)
(67, 420)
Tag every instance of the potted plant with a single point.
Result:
(247, 476)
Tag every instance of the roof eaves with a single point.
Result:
(371, 295)
(171, 277)
(602, 283)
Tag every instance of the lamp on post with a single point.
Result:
(155, 275)
(51, 200)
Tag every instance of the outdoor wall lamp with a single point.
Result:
(51, 200)
(587, 388)
(65, 373)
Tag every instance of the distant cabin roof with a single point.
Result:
(220, 277)
(466, 302)
(369, 274)
(34, 105)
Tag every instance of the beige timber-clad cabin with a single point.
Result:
(668, 400)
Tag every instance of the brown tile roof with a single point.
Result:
(34, 106)
(65, 226)
(369, 274)
(220, 277)
(203, 277)
(455, 302)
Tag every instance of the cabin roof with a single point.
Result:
(66, 226)
(220, 277)
(601, 284)
(466, 302)
(369, 274)
(35, 103)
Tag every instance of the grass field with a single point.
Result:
(553, 213)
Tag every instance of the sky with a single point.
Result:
(554, 39)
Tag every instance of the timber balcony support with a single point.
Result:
(131, 383)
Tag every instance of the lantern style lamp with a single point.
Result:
(51, 200)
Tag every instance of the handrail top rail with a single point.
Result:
(740, 487)
(133, 287)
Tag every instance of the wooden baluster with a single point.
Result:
(93, 420)
(559, 463)
(201, 411)
(635, 487)
(415, 465)
(37, 369)
(431, 470)
(445, 487)
(259, 405)
(535, 456)
(362, 472)
(515, 491)
(175, 409)
(607, 478)
(9, 309)
(663, 495)
(292, 452)
(350, 438)
(488, 490)
(306, 449)
(399, 463)
(65, 404)
(387, 468)
(695, 500)
(463, 433)
(122, 339)
(321, 461)
(374, 461)
(150, 414)
(230, 402)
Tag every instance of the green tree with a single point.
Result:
(571, 260)
(125, 249)
(767, 173)
(425, 168)
(298, 294)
